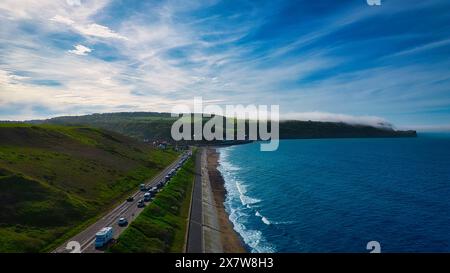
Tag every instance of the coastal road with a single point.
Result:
(129, 210)
(195, 231)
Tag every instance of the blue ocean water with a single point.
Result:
(336, 195)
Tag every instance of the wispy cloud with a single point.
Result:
(74, 2)
(90, 29)
(80, 50)
(346, 58)
(422, 48)
(333, 117)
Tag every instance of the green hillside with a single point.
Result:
(162, 226)
(155, 126)
(54, 180)
(140, 125)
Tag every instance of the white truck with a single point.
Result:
(103, 237)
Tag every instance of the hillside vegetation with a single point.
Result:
(162, 226)
(157, 126)
(55, 179)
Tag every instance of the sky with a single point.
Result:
(319, 60)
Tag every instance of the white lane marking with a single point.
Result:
(112, 214)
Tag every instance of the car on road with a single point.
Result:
(122, 222)
(147, 197)
(142, 187)
(130, 199)
(141, 203)
(103, 237)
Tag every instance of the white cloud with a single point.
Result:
(98, 31)
(90, 29)
(63, 20)
(148, 78)
(74, 2)
(422, 48)
(45, 9)
(80, 50)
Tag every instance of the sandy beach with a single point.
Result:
(230, 240)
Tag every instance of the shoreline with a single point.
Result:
(232, 241)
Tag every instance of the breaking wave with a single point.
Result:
(239, 206)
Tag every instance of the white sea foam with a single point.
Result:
(252, 238)
(241, 188)
(283, 222)
(238, 203)
(245, 200)
(263, 218)
(228, 171)
(269, 222)
(223, 161)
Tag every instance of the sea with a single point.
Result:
(337, 195)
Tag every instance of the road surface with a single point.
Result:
(129, 210)
(195, 231)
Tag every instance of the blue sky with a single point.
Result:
(321, 60)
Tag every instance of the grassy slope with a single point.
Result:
(149, 125)
(54, 179)
(161, 227)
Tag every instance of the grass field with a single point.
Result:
(55, 179)
(162, 226)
